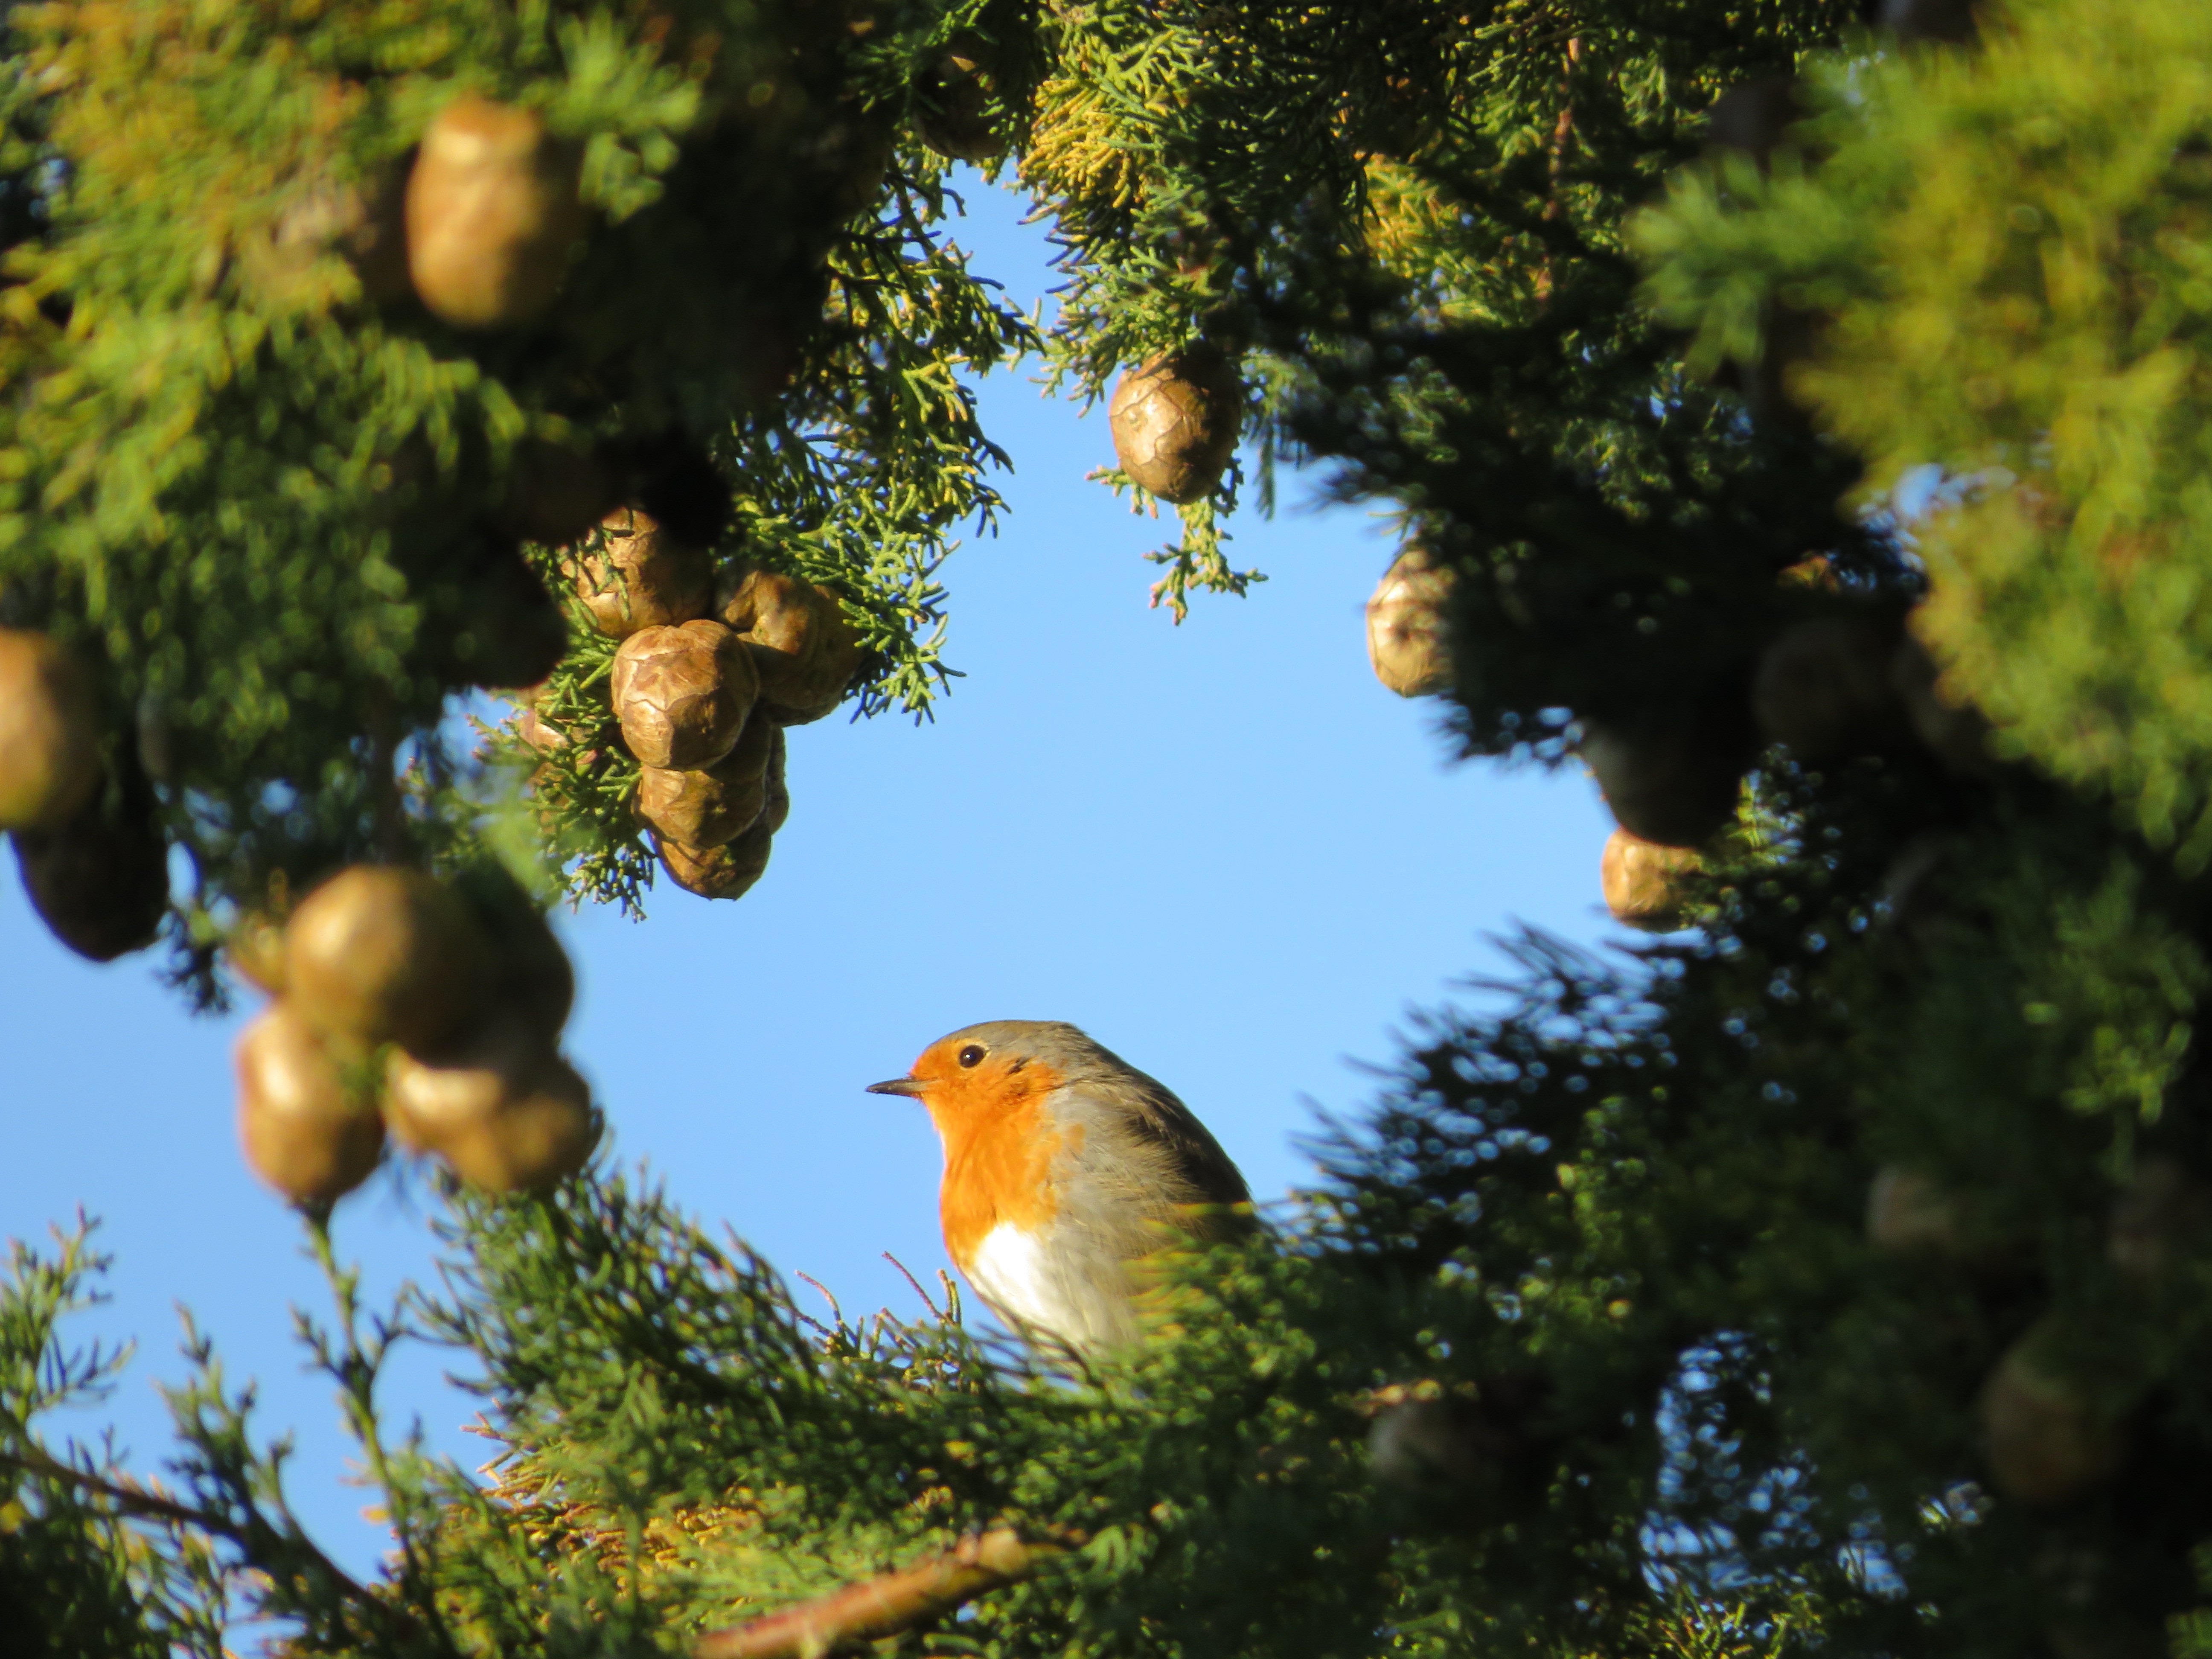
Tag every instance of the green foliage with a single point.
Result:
(263, 504)
(2011, 252)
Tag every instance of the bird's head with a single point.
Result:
(995, 1065)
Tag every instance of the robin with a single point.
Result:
(1064, 1164)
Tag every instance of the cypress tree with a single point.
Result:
(1791, 412)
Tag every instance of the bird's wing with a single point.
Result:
(1155, 1115)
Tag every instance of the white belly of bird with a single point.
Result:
(1079, 1295)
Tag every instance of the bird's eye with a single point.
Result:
(972, 1055)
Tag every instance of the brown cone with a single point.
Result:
(429, 1100)
(380, 954)
(953, 104)
(309, 1130)
(682, 693)
(540, 733)
(638, 575)
(531, 976)
(711, 807)
(1955, 732)
(49, 732)
(1643, 881)
(492, 215)
(541, 1137)
(101, 881)
(719, 873)
(1175, 422)
(2046, 1441)
(360, 222)
(1907, 1212)
(1407, 641)
(806, 650)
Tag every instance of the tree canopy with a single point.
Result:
(1792, 414)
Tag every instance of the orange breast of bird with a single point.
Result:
(1000, 1142)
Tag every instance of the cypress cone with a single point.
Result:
(1824, 688)
(1643, 881)
(101, 881)
(309, 1130)
(492, 215)
(639, 575)
(1674, 776)
(2046, 1442)
(503, 1108)
(511, 632)
(728, 871)
(1175, 422)
(806, 650)
(380, 954)
(708, 807)
(682, 693)
(952, 102)
(49, 732)
(1408, 644)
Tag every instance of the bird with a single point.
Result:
(1064, 1167)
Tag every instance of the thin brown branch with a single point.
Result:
(132, 1499)
(1563, 130)
(883, 1606)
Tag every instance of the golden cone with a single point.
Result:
(682, 693)
(1175, 422)
(462, 1085)
(1643, 880)
(309, 1130)
(492, 215)
(541, 1138)
(380, 954)
(49, 732)
(806, 651)
(711, 807)
(1407, 641)
(637, 575)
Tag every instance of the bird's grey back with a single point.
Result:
(1123, 1111)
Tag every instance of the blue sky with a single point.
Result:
(1223, 850)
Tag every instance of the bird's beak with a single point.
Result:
(910, 1086)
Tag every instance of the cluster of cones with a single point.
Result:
(425, 1009)
(705, 680)
(1848, 681)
